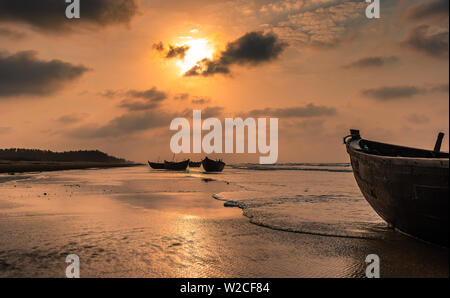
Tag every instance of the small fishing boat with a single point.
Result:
(156, 165)
(194, 164)
(176, 166)
(213, 165)
(407, 187)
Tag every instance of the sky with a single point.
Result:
(114, 79)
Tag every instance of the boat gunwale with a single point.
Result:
(399, 160)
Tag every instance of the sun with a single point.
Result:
(199, 49)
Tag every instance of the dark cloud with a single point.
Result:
(152, 94)
(369, 62)
(307, 111)
(207, 112)
(126, 124)
(437, 9)
(177, 52)
(208, 67)
(10, 33)
(173, 51)
(49, 15)
(147, 99)
(23, 73)
(210, 112)
(398, 92)
(388, 93)
(138, 121)
(251, 49)
(432, 44)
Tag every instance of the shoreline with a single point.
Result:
(12, 167)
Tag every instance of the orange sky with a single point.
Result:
(388, 77)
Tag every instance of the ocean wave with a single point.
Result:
(325, 215)
(344, 168)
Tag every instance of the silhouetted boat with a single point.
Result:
(176, 166)
(213, 165)
(407, 187)
(156, 165)
(194, 164)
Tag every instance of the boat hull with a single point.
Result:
(212, 165)
(410, 194)
(156, 165)
(176, 166)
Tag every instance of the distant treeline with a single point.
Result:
(15, 154)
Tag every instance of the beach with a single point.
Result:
(302, 220)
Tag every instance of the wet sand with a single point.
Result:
(134, 222)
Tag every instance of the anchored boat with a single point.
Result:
(176, 166)
(407, 187)
(213, 165)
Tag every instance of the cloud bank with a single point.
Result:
(400, 92)
(23, 73)
(435, 9)
(433, 44)
(370, 62)
(49, 15)
(310, 110)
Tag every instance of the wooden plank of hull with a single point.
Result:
(411, 194)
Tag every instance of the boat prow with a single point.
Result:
(156, 165)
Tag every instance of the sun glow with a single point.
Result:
(199, 49)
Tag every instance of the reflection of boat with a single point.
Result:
(212, 165)
(407, 187)
(176, 166)
(194, 164)
(156, 165)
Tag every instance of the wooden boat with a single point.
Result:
(213, 165)
(194, 164)
(407, 187)
(156, 165)
(176, 166)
